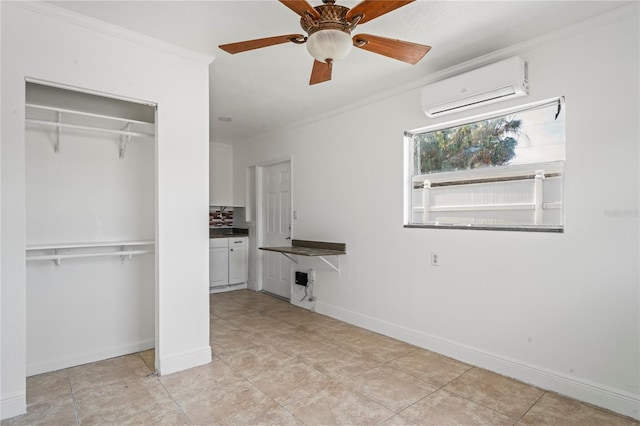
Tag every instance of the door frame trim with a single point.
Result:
(260, 207)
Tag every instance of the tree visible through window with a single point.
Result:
(503, 171)
(471, 146)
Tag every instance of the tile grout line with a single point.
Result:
(174, 400)
(482, 405)
(155, 374)
(257, 388)
(532, 405)
(432, 392)
(354, 390)
(73, 398)
(279, 405)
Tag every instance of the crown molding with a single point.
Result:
(615, 15)
(110, 29)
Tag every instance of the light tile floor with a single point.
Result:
(276, 364)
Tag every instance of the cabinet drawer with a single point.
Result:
(218, 242)
(238, 242)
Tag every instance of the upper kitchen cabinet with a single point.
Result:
(221, 175)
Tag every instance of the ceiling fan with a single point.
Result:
(329, 38)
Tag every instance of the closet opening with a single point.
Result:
(90, 226)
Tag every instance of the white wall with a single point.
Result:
(88, 54)
(557, 310)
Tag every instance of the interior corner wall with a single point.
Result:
(39, 45)
(560, 311)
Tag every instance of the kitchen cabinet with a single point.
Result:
(220, 174)
(218, 262)
(238, 260)
(228, 261)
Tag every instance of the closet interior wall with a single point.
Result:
(99, 187)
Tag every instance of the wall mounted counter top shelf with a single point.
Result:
(317, 249)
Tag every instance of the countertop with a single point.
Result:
(228, 232)
(234, 235)
(310, 248)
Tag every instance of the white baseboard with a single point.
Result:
(184, 361)
(58, 364)
(13, 405)
(225, 288)
(596, 394)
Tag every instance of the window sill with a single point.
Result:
(557, 230)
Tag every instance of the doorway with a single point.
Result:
(276, 227)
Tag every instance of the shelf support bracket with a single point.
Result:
(125, 256)
(335, 267)
(124, 141)
(293, 259)
(331, 265)
(56, 144)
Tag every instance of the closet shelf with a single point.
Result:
(90, 245)
(81, 127)
(86, 114)
(83, 250)
(125, 133)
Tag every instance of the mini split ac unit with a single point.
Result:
(492, 83)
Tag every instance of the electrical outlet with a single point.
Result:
(435, 259)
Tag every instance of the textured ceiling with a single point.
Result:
(266, 89)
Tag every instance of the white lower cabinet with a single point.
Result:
(238, 260)
(228, 261)
(218, 262)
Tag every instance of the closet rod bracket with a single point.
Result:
(56, 146)
(123, 250)
(124, 141)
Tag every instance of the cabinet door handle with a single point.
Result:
(230, 249)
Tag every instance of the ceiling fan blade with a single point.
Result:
(404, 51)
(371, 9)
(301, 7)
(243, 46)
(320, 73)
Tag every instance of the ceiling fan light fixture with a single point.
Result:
(329, 44)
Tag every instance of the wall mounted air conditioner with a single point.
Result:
(492, 83)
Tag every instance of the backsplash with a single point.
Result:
(221, 217)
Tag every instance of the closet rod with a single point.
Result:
(87, 114)
(96, 129)
(58, 257)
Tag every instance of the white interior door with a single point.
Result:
(276, 229)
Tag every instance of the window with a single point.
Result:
(502, 171)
